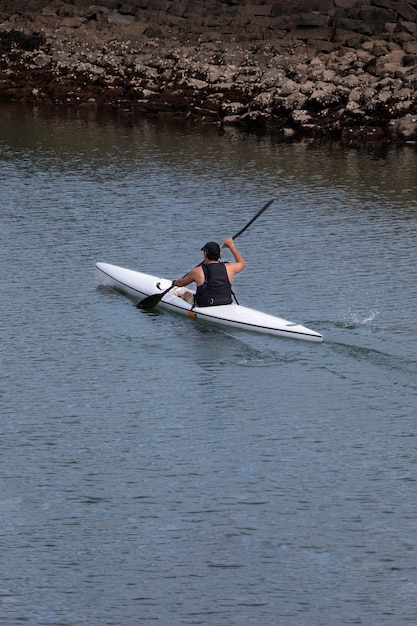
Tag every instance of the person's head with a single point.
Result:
(212, 251)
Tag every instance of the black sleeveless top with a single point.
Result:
(216, 289)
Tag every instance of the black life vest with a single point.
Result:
(216, 289)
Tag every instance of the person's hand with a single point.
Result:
(229, 243)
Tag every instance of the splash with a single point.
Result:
(355, 316)
(372, 315)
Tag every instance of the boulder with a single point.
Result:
(404, 128)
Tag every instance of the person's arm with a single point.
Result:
(190, 277)
(239, 263)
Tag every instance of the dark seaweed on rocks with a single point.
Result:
(17, 39)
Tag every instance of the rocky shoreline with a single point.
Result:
(320, 80)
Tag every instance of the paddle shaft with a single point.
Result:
(264, 208)
(151, 301)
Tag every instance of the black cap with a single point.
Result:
(212, 249)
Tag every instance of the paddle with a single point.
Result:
(151, 301)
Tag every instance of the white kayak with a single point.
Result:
(141, 285)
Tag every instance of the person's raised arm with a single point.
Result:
(239, 263)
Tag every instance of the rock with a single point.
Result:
(41, 60)
(405, 128)
(410, 47)
(119, 19)
(405, 10)
(73, 22)
(300, 116)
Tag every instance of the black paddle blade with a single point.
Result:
(150, 302)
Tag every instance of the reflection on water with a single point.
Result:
(388, 168)
(156, 469)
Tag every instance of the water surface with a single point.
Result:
(160, 470)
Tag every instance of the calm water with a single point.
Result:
(154, 470)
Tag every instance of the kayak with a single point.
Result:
(141, 285)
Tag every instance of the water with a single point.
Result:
(155, 470)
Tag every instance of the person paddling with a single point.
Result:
(212, 278)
